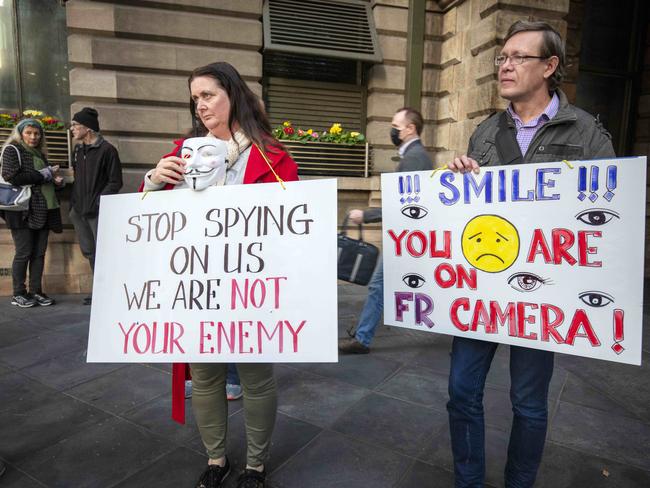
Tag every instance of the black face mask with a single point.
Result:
(394, 136)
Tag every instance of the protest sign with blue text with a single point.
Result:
(548, 256)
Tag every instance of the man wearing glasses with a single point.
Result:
(539, 125)
(97, 172)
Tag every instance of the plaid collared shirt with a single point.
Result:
(526, 132)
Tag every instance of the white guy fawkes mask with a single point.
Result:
(205, 159)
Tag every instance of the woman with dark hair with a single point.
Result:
(24, 162)
(224, 107)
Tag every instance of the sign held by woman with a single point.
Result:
(229, 274)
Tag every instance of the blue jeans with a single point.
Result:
(232, 375)
(530, 374)
(371, 313)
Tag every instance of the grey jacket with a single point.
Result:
(572, 134)
(415, 158)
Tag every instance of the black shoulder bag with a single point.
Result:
(356, 258)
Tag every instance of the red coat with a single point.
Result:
(257, 171)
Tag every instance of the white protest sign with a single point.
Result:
(241, 273)
(545, 256)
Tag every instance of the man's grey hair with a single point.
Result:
(552, 45)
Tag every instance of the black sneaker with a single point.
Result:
(23, 301)
(42, 299)
(88, 300)
(251, 478)
(213, 476)
(352, 346)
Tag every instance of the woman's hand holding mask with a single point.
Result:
(168, 170)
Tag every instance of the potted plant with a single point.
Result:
(334, 152)
(58, 140)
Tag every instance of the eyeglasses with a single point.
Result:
(515, 59)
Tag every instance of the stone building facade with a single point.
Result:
(130, 60)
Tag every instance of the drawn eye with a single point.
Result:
(187, 155)
(413, 280)
(414, 211)
(596, 216)
(596, 298)
(526, 281)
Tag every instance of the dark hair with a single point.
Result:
(245, 107)
(552, 45)
(413, 117)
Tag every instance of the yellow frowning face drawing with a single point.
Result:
(490, 243)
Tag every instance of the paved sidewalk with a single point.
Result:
(369, 421)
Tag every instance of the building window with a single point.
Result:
(34, 57)
(313, 92)
(316, 55)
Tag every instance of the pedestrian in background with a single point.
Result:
(24, 162)
(405, 131)
(97, 172)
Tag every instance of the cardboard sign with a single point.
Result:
(241, 273)
(547, 256)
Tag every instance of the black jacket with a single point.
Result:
(21, 172)
(97, 171)
(415, 158)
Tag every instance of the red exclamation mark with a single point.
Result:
(618, 331)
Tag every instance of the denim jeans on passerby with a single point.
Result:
(371, 313)
(232, 376)
(530, 374)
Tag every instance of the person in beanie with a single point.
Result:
(97, 172)
(24, 162)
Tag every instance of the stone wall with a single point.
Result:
(386, 81)
(131, 60)
(385, 94)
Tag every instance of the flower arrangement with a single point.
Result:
(336, 134)
(47, 121)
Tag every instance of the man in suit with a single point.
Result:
(405, 131)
